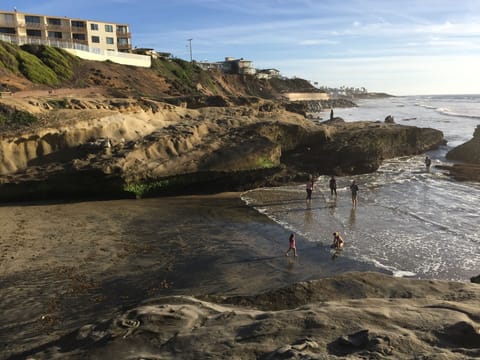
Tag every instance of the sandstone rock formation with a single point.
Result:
(157, 148)
(355, 315)
(468, 154)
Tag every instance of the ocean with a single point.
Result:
(409, 221)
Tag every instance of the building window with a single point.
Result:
(122, 41)
(122, 29)
(55, 34)
(7, 18)
(4, 30)
(32, 19)
(52, 21)
(78, 24)
(31, 32)
(79, 37)
(93, 26)
(96, 39)
(108, 28)
(110, 41)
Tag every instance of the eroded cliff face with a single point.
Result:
(148, 148)
(360, 147)
(468, 152)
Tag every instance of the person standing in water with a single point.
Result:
(354, 190)
(292, 245)
(333, 186)
(428, 162)
(309, 188)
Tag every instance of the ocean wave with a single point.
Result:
(394, 271)
(447, 111)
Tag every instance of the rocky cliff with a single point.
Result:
(468, 156)
(468, 152)
(106, 147)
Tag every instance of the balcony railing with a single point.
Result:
(79, 29)
(58, 27)
(84, 42)
(124, 34)
(32, 25)
(7, 23)
(123, 46)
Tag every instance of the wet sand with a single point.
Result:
(66, 265)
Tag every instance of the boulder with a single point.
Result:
(359, 147)
(468, 152)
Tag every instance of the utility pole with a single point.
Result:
(190, 43)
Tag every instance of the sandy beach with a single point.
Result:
(68, 266)
(64, 265)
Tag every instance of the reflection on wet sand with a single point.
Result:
(351, 220)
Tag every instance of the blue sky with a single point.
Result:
(403, 47)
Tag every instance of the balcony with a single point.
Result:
(79, 29)
(124, 46)
(32, 25)
(62, 27)
(83, 42)
(124, 34)
(7, 23)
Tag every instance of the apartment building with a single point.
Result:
(96, 35)
(230, 66)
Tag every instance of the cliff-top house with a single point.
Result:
(111, 40)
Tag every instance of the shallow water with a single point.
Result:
(409, 221)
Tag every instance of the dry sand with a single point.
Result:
(115, 280)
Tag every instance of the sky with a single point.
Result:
(402, 47)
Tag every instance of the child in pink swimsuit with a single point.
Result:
(293, 245)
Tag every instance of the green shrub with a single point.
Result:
(142, 189)
(17, 118)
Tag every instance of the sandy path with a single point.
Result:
(59, 92)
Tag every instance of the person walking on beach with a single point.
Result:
(354, 190)
(337, 241)
(309, 188)
(292, 245)
(428, 162)
(331, 114)
(333, 186)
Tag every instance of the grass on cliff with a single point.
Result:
(38, 63)
(184, 74)
(58, 60)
